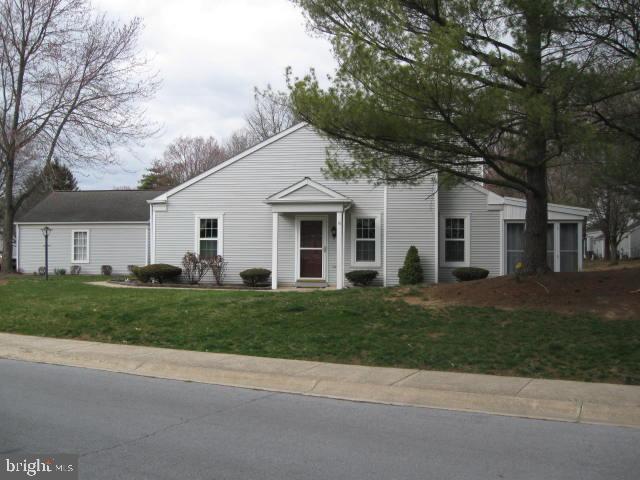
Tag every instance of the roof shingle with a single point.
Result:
(92, 206)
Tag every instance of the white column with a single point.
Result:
(580, 247)
(339, 251)
(274, 252)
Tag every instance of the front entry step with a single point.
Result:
(311, 284)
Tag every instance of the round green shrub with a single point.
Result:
(361, 277)
(465, 274)
(106, 270)
(411, 271)
(160, 272)
(255, 277)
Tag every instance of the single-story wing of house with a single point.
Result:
(88, 229)
(273, 207)
(629, 246)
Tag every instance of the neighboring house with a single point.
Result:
(272, 207)
(629, 246)
(88, 228)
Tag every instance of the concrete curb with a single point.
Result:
(512, 396)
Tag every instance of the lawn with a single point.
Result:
(358, 326)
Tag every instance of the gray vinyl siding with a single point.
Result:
(118, 245)
(484, 229)
(411, 218)
(239, 191)
(305, 193)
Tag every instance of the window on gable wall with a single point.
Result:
(208, 239)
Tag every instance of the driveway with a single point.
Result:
(133, 427)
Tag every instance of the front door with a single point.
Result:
(311, 248)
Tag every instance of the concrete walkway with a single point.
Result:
(514, 396)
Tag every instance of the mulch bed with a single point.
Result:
(613, 294)
(200, 286)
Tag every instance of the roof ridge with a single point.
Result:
(106, 190)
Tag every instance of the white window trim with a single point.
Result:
(467, 239)
(220, 238)
(73, 253)
(354, 221)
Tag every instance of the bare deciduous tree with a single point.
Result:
(613, 213)
(72, 83)
(182, 160)
(272, 114)
(238, 142)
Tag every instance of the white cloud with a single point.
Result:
(210, 55)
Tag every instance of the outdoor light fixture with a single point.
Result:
(334, 232)
(46, 231)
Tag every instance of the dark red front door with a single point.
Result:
(311, 248)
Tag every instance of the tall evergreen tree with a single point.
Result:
(444, 86)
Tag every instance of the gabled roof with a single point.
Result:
(91, 206)
(314, 192)
(163, 198)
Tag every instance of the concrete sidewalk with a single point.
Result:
(514, 396)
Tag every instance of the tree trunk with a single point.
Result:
(606, 251)
(535, 234)
(9, 214)
(613, 258)
(535, 149)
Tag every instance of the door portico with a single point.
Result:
(315, 208)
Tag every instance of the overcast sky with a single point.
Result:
(210, 54)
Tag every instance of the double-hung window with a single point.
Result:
(80, 246)
(365, 233)
(208, 235)
(455, 240)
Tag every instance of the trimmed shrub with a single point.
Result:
(361, 277)
(130, 268)
(465, 274)
(194, 267)
(60, 271)
(106, 270)
(411, 271)
(255, 277)
(75, 270)
(159, 272)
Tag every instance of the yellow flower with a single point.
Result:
(519, 266)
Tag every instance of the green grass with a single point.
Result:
(359, 326)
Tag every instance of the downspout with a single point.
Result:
(384, 236)
(17, 248)
(437, 228)
(152, 236)
(344, 236)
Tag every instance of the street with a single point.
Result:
(131, 427)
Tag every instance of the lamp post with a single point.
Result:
(46, 231)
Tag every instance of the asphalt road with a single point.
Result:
(129, 427)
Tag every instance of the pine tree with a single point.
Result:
(445, 86)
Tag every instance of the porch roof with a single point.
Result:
(307, 195)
